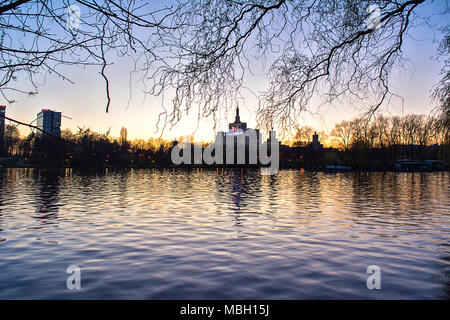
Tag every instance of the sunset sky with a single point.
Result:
(84, 102)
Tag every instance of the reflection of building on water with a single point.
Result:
(237, 190)
(48, 198)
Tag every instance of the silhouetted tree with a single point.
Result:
(12, 139)
(302, 136)
(343, 131)
(202, 50)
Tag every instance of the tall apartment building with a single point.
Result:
(49, 121)
(123, 134)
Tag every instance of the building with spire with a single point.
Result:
(236, 130)
(240, 146)
(237, 125)
(315, 142)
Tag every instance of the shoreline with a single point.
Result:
(214, 168)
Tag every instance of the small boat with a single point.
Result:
(336, 168)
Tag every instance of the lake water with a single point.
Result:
(163, 234)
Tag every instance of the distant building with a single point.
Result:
(49, 121)
(315, 142)
(2, 128)
(238, 128)
(123, 134)
(237, 125)
(240, 146)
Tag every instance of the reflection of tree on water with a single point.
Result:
(48, 197)
(2, 192)
(123, 186)
(273, 190)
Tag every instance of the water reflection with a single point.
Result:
(231, 234)
(47, 198)
(1, 204)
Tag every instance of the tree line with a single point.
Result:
(84, 148)
(361, 143)
(382, 131)
(377, 142)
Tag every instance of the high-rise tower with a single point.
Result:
(123, 134)
(49, 121)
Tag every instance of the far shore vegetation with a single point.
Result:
(375, 144)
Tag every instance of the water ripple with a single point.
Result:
(157, 234)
